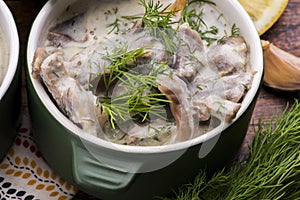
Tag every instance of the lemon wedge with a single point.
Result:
(264, 13)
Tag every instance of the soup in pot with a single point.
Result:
(139, 73)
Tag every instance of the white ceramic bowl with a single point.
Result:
(109, 170)
(10, 86)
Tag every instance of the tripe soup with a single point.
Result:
(138, 73)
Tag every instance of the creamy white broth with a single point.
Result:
(205, 85)
(97, 19)
(100, 14)
(4, 57)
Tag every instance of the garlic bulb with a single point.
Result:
(281, 69)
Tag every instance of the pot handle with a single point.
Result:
(96, 175)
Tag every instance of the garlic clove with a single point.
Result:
(281, 69)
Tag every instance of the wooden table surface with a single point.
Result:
(284, 34)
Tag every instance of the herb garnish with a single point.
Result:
(121, 61)
(115, 25)
(271, 171)
(158, 20)
(235, 31)
(141, 97)
(194, 18)
(156, 15)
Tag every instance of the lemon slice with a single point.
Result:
(264, 13)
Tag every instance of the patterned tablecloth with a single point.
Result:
(25, 175)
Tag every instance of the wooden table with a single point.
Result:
(284, 34)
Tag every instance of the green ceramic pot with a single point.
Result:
(111, 171)
(10, 92)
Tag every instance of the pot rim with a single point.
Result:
(256, 61)
(10, 33)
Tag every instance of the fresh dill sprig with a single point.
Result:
(211, 31)
(235, 31)
(115, 25)
(141, 97)
(121, 60)
(271, 171)
(194, 17)
(156, 15)
(195, 21)
(157, 19)
(168, 38)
